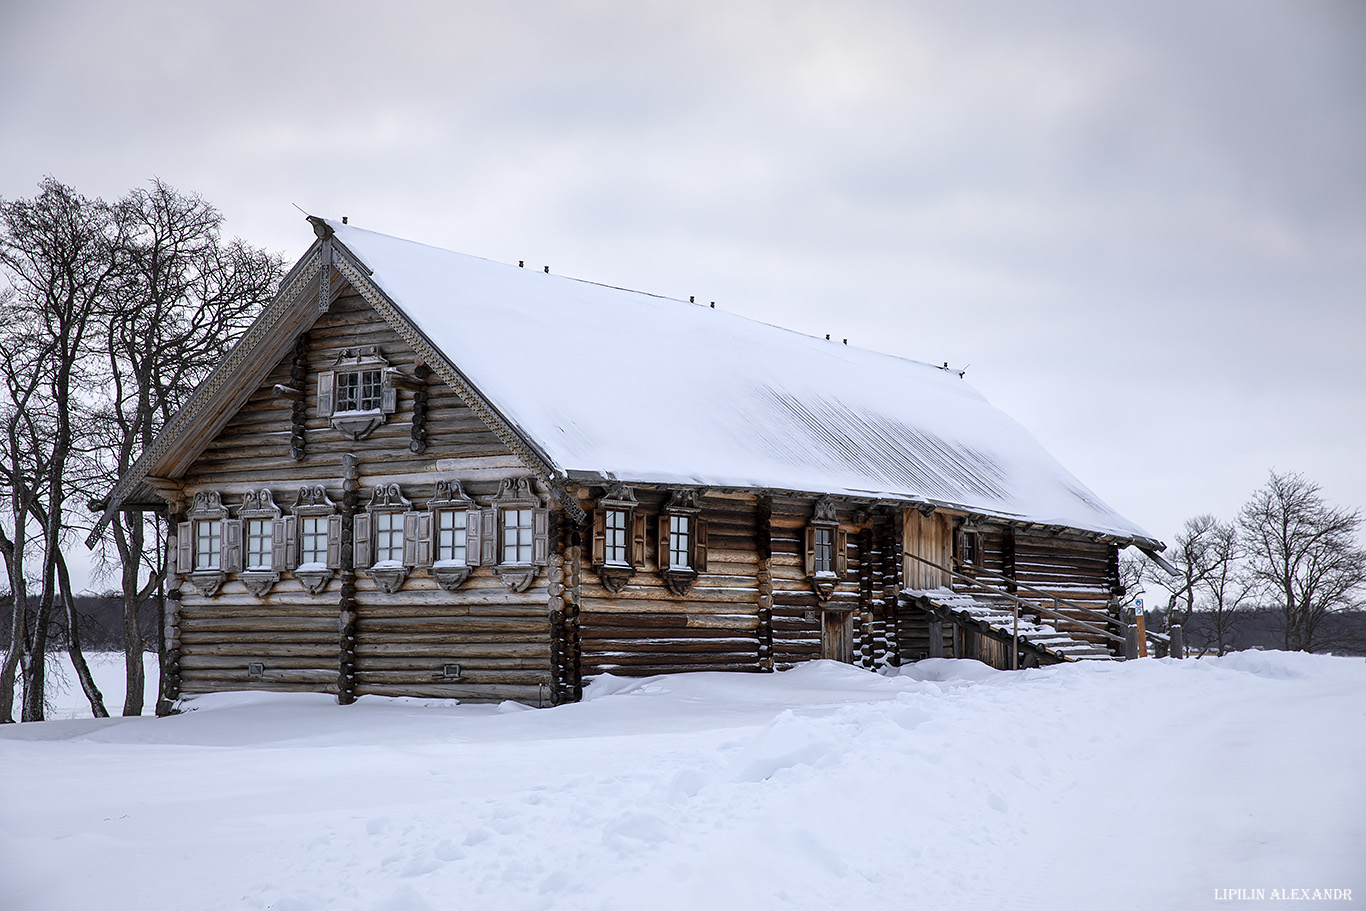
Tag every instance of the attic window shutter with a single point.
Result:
(232, 546)
(638, 522)
(327, 381)
(360, 535)
(334, 536)
(184, 553)
(841, 552)
(388, 398)
(699, 545)
(810, 550)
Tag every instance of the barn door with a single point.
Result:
(837, 640)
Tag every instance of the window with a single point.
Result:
(826, 548)
(516, 536)
(618, 537)
(388, 537)
(260, 544)
(313, 540)
(208, 543)
(309, 541)
(208, 547)
(385, 538)
(448, 539)
(358, 391)
(452, 536)
(680, 542)
(614, 531)
(522, 524)
(682, 551)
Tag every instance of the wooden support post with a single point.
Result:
(1130, 635)
(763, 545)
(1142, 634)
(936, 637)
(1178, 637)
(346, 663)
(169, 688)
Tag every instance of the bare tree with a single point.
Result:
(1190, 555)
(59, 253)
(1303, 553)
(1226, 585)
(182, 299)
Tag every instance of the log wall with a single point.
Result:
(402, 641)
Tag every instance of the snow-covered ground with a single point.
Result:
(1148, 784)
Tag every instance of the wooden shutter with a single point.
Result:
(473, 537)
(540, 536)
(327, 381)
(334, 536)
(410, 539)
(638, 522)
(599, 537)
(810, 550)
(388, 398)
(282, 544)
(424, 539)
(360, 541)
(184, 559)
(699, 544)
(841, 552)
(231, 560)
(663, 541)
(488, 537)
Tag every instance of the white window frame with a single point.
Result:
(388, 559)
(260, 575)
(313, 507)
(204, 557)
(352, 419)
(532, 549)
(681, 549)
(825, 571)
(450, 499)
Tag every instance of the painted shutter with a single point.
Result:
(599, 537)
(281, 535)
(473, 547)
(360, 538)
(810, 550)
(638, 522)
(540, 536)
(334, 536)
(410, 539)
(488, 537)
(327, 380)
(184, 559)
(388, 398)
(424, 539)
(663, 541)
(699, 546)
(841, 552)
(232, 546)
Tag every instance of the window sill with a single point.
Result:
(314, 580)
(449, 574)
(389, 576)
(258, 581)
(357, 425)
(207, 581)
(615, 576)
(679, 579)
(516, 577)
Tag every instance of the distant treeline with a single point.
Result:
(1343, 633)
(100, 618)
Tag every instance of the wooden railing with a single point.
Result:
(1056, 611)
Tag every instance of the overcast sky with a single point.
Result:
(1142, 226)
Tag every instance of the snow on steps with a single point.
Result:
(999, 617)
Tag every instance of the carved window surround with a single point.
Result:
(618, 537)
(826, 550)
(515, 538)
(203, 543)
(438, 535)
(387, 516)
(312, 503)
(357, 392)
(682, 541)
(258, 575)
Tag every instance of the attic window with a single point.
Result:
(969, 547)
(357, 392)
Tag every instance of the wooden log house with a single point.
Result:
(421, 473)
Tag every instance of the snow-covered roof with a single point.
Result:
(644, 388)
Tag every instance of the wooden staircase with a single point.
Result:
(995, 618)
